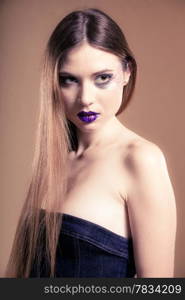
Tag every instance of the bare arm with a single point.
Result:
(152, 212)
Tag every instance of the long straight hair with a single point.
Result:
(56, 137)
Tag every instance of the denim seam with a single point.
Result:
(94, 243)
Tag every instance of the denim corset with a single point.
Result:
(86, 249)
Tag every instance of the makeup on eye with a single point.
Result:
(66, 80)
(101, 79)
(104, 76)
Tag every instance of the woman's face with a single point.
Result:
(91, 80)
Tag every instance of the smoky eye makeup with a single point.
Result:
(66, 80)
(100, 80)
(103, 79)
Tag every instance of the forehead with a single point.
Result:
(86, 58)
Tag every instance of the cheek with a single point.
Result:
(113, 95)
(67, 97)
(68, 94)
(115, 88)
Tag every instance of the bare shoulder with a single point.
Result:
(151, 208)
(144, 162)
(142, 152)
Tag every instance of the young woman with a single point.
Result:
(100, 203)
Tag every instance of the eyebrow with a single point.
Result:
(96, 73)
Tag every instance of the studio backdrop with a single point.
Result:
(155, 30)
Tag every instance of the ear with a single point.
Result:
(127, 74)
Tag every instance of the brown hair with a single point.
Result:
(56, 137)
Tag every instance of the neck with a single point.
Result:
(90, 139)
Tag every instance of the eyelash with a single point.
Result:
(62, 79)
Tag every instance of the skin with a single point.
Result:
(89, 92)
(117, 179)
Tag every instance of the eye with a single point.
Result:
(103, 78)
(66, 80)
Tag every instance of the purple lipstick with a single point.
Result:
(87, 116)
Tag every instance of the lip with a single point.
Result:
(86, 113)
(88, 119)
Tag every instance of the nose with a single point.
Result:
(86, 95)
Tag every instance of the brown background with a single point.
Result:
(155, 30)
